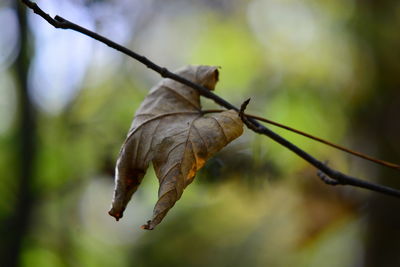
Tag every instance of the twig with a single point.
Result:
(355, 153)
(59, 22)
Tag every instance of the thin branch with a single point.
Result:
(343, 179)
(355, 153)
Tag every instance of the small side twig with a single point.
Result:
(243, 107)
(59, 22)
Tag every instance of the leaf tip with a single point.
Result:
(116, 215)
(147, 226)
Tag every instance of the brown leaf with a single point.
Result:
(170, 130)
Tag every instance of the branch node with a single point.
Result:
(164, 72)
(326, 179)
(59, 19)
(244, 118)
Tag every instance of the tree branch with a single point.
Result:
(352, 152)
(342, 179)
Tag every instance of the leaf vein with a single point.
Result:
(221, 128)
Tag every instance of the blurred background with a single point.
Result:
(330, 68)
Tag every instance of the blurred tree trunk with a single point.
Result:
(377, 119)
(16, 227)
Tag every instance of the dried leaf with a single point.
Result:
(170, 131)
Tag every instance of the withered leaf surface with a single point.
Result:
(170, 131)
